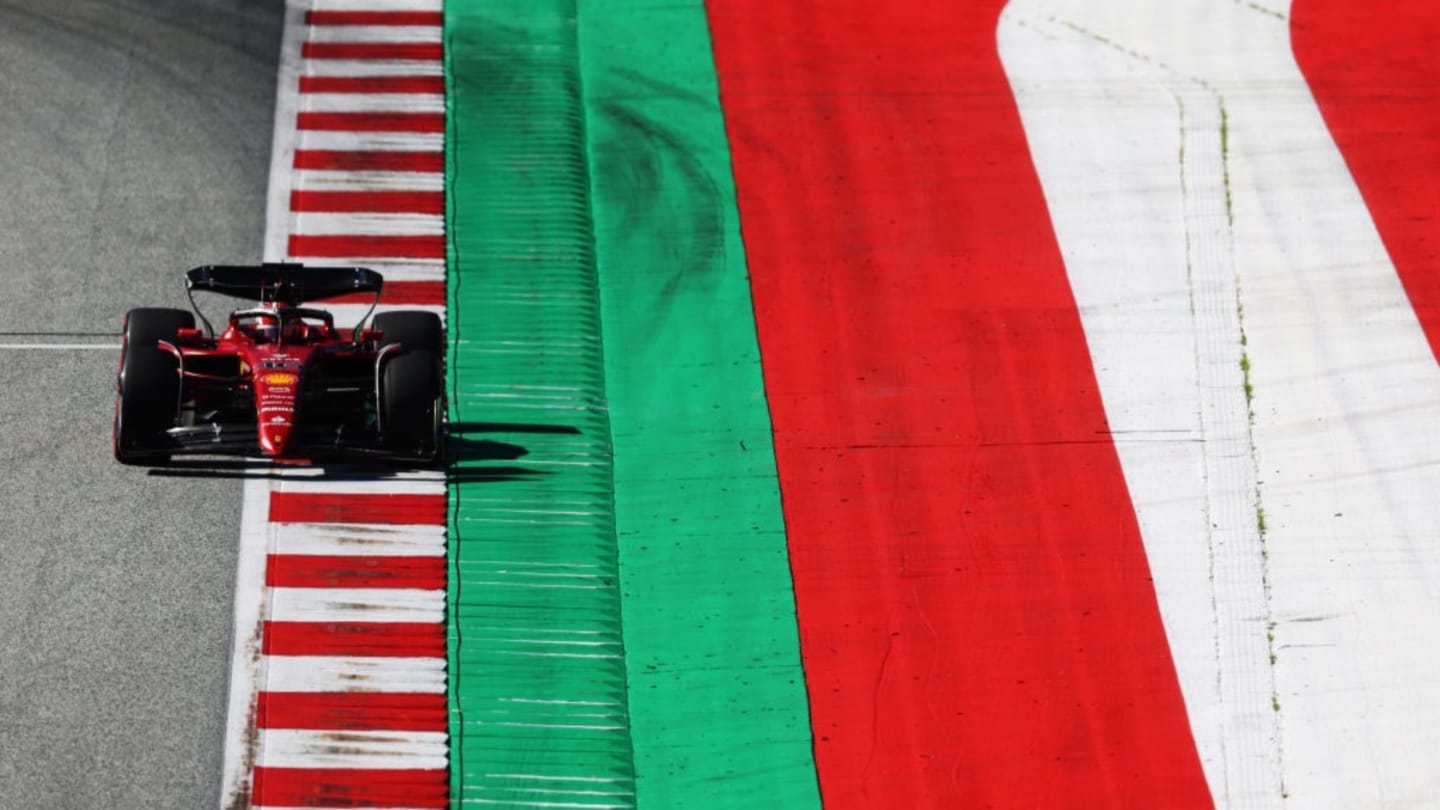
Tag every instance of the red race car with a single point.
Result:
(280, 380)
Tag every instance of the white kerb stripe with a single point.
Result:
(410, 482)
(389, 265)
(358, 540)
(357, 605)
(373, 33)
(305, 748)
(373, 102)
(1143, 229)
(346, 141)
(306, 223)
(365, 67)
(418, 272)
(1344, 392)
(326, 673)
(339, 180)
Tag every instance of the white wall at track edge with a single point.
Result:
(1345, 388)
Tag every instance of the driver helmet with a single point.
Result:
(266, 330)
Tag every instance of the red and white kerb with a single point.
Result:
(338, 695)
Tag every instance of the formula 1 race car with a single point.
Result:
(280, 381)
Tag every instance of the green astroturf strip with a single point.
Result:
(717, 696)
(538, 713)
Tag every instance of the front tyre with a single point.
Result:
(147, 389)
(146, 405)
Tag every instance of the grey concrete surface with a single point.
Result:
(134, 143)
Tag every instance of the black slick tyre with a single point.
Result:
(148, 386)
(148, 326)
(146, 404)
(410, 408)
(414, 330)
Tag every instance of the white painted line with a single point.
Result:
(61, 347)
(339, 141)
(366, 67)
(374, 33)
(307, 224)
(305, 748)
(316, 673)
(357, 605)
(360, 540)
(373, 102)
(327, 180)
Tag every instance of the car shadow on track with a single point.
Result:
(471, 446)
(468, 458)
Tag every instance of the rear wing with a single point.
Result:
(283, 283)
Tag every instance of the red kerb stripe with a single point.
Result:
(370, 122)
(377, 161)
(1390, 138)
(342, 571)
(330, 160)
(379, 202)
(381, 639)
(374, 17)
(327, 507)
(977, 620)
(372, 84)
(348, 246)
(351, 711)
(402, 293)
(404, 51)
(351, 787)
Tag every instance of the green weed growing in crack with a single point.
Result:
(1249, 389)
(1225, 162)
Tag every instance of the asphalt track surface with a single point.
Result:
(134, 142)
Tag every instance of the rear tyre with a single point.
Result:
(414, 330)
(150, 325)
(411, 407)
